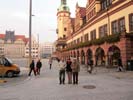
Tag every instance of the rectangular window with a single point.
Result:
(77, 40)
(105, 4)
(131, 22)
(86, 37)
(74, 41)
(114, 27)
(103, 31)
(81, 39)
(65, 29)
(93, 35)
(121, 24)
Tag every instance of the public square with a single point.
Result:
(102, 84)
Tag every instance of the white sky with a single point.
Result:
(14, 16)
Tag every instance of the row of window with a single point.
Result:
(32, 48)
(1, 48)
(104, 5)
(117, 26)
(92, 13)
(31, 52)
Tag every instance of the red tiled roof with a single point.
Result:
(2, 36)
(82, 11)
(20, 37)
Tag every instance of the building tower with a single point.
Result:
(63, 25)
(63, 20)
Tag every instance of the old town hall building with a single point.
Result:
(101, 31)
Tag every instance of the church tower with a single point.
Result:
(63, 20)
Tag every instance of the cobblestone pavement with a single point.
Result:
(109, 85)
(16, 79)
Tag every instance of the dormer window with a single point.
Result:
(105, 4)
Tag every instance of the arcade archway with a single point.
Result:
(113, 55)
(78, 55)
(89, 55)
(100, 56)
(82, 57)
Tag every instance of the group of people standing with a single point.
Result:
(72, 69)
(35, 67)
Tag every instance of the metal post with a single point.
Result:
(30, 28)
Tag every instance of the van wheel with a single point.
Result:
(9, 74)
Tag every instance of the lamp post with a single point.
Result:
(30, 28)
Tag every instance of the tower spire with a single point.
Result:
(63, 6)
(63, 2)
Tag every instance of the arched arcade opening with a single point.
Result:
(100, 57)
(82, 57)
(89, 55)
(113, 55)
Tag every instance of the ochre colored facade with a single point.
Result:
(101, 31)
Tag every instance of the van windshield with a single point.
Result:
(9, 60)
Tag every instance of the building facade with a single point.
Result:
(101, 31)
(12, 45)
(17, 46)
(35, 51)
(46, 49)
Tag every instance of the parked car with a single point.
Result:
(7, 68)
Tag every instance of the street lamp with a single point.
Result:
(30, 28)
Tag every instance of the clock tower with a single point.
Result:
(63, 20)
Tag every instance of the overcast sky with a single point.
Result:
(14, 16)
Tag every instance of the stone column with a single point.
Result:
(125, 50)
(86, 59)
(106, 60)
(94, 59)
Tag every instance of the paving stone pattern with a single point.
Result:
(46, 86)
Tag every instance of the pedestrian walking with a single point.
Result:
(32, 68)
(38, 66)
(69, 70)
(62, 66)
(75, 70)
(120, 66)
(90, 66)
(50, 63)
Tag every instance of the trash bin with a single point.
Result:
(130, 65)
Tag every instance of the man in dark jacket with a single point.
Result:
(120, 66)
(38, 66)
(32, 68)
(69, 70)
(90, 66)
